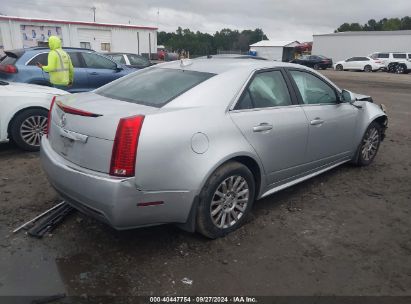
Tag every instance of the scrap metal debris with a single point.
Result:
(53, 217)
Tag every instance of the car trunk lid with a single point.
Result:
(83, 128)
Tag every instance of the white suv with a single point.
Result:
(398, 62)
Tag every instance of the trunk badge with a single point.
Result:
(63, 120)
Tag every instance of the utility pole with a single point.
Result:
(94, 13)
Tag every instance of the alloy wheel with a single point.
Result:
(400, 69)
(370, 144)
(229, 201)
(32, 129)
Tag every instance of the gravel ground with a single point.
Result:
(346, 232)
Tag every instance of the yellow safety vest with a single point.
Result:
(60, 75)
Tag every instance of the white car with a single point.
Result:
(395, 62)
(366, 64)
(23, 113)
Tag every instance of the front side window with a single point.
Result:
(267, 89)
(119, 58)
(350, 59)
(138, 60)
(153, 87)
(95, 61)
(383, 55)
(312, 89)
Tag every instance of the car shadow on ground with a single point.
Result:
(291, 199)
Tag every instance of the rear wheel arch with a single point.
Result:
(247, 161)
(19, 112)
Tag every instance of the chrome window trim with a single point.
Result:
(27, 62)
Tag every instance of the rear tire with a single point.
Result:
(27, 127)
(401, 69)
(370, 144)
(225, 200)
(339, 67)
(316, 66)
(368, 68)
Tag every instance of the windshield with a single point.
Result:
(154, 87)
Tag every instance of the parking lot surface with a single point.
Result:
(345, 232)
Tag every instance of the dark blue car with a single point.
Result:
(91, 70)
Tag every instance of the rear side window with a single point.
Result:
(41, 58)
(153, 87)
(266, 90)
(400, 56)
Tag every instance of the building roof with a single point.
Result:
(130, 26)
(275, 43)
(367, 33)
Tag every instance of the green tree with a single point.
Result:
(392, 24)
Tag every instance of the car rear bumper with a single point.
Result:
(112, 200)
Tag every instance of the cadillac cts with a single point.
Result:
(197, 142)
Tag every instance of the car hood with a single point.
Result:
(33, 89)
(361, 97)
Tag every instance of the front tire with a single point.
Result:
(28, 127)
(370, 144)
(339, 67)
(225, 200)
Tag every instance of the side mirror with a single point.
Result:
(118, 67)
(347, 96)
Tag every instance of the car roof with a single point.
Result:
(222, 65)
(232, 56)
(121, 53)
(20, 52)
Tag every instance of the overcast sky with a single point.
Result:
(279, 19)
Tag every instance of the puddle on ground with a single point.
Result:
(36, 272)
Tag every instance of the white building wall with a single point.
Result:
(340, 47)
(130, 40)
(269, 52)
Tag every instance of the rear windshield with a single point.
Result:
(154, 87)
(8, 60)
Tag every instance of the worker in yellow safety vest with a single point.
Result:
(59, 65)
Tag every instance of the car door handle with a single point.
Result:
(93, 73)
(316, 122)
(263, 127)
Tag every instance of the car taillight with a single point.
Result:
(70, 110)
(123, 157)
(8, 68)
(49, 117)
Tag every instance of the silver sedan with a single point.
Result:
(197, 142)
